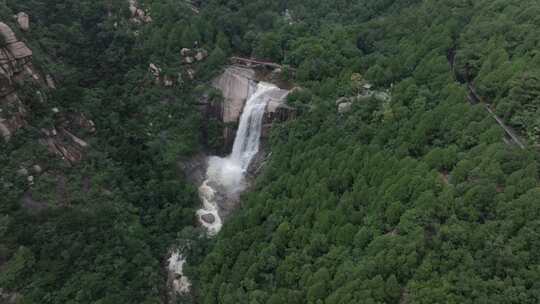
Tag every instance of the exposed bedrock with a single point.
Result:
(16, 68)
(237, 84)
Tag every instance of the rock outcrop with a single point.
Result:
(15, 66)
(138, 15)
(189, 57)
(236, 85)
(277, 111)
(23, 20)
(345, 104)
(156, 72)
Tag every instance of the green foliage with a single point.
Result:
(405, 199)
(413, 198)
(98, 232)
(269, 47)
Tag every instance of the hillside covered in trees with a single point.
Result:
(421, 197)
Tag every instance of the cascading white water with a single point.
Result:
(246, 142)
(180, 282)
(225, 176)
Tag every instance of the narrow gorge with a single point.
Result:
(225, 177)
(251, 103)
(296, 151)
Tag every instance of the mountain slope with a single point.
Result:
(420, 199)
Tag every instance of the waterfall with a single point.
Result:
(225, 176)
(246, 142)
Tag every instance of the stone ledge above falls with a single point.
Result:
(16, 67)
(276, 112)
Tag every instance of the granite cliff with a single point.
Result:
(237, 84)
(17, 75)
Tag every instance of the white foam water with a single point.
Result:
(228, 174)
(181, 283)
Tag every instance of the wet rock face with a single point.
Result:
(16, 67)
(9, 298)
(190, 57)
(177, 282)
(61, 139)
(50, 82)
(201, 55)
(278, 110)
(344, 107)
(236, 85)
(209, 218)
(7, 33)
(14, 56)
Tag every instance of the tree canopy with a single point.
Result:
(415, 197)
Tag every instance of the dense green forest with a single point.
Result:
(417, 199)
(105, 244)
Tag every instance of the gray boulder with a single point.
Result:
(208, 218)
(344, 107)
(23, 20)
